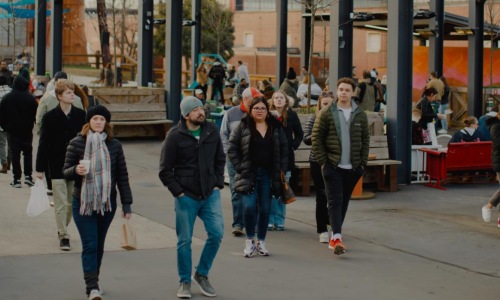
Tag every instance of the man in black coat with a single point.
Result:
(17, 118)
(60, 125)
(192, 168)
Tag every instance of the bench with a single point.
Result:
(473, 156)
(136, 112)
(303, 170)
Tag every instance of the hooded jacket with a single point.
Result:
(18, 109)
(190, 166)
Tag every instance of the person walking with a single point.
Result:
(17, 118)
(231, 119)
(218, 76)
(4, 149)
(443, 105)
(60, 126)
(95, 190)
(322, 221)
(192, 168)
(493, 124)
(294, 134)
(340, 142)
(258, 151)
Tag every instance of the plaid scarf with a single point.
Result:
(96, 185)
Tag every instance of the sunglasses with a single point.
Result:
(259, 108)
(327, 94)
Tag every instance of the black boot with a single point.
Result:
(91, 281)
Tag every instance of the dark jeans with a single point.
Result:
(339, 184)
(216, 86)
(93, 230)
(321, 203)
(18, 145)
(235, 198)
(257, 205)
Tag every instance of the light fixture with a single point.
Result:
(361, 16)
(423, 14)
(465, 30)
(426, 31)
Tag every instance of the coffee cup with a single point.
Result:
(86, 163)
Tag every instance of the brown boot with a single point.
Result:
(4, 169)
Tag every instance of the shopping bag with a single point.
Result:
(287, 195)
(39, 201)
(129, 239)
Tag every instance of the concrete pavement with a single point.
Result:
(418, 243)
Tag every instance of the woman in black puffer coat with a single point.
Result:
(94, 194)
(258, 151)
(493, 124)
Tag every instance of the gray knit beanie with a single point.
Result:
(188, 104)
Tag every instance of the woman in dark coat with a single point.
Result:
(493, 124)
(94, 194)
(278, 105)
(258, 151)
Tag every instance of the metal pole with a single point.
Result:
(341, 36)
(475, 59)
(399, 89)
(40, 32)
(436, 40)
(195, 37)
(145, 59)
(305, 42)
(56, 21)
(173, 57)
(281, 46)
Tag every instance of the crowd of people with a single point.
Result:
(86, 167)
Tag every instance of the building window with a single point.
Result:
(373, 42)
(263, 5)
(288, 40)
(248, 40)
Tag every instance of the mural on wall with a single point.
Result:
(454, 68)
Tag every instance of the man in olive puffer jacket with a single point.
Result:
(341, 140)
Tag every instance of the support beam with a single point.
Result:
(399, 87)
(341, 37)
(195, 37)
(436, 40)
(475, 59)
(145, 59)
(40, 36)
(56, 21)
(173, 58)
(281, 46)
(305, 43)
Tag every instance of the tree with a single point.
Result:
(313, 6)
(217, 30)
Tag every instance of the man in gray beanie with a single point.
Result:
(192, 168)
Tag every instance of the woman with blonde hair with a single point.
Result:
(294, 134)
(469, 133)
(322, 220)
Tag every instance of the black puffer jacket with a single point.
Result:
(493, 124)
(119, 173)
(190, 166)
(239, 153)
(294, 135)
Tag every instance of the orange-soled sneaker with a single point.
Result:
(337, 246)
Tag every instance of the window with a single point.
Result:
(373, 42)
(248, 41)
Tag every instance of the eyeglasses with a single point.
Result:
(259, 108)
(327, 94)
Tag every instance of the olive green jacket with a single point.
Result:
(326, 139)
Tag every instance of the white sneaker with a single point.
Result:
(261, 248)
(486, 212)
(95, 295)
(250, 248)
(324, 237)
(443, 131)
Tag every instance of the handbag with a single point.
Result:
(287, 196)
(129, 238)
(39, 201)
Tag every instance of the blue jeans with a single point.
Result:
(258, 203)
(277, 214)
(235, 197)
(93, 230)
(444, 122)
(210, 212)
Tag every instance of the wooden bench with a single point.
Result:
(385, 169)
(303, 170)
(473, 156)
(136, 112)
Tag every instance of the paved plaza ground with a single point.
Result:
(418, 243)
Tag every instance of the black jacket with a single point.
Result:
(56, 133)
(307, 135)
(190, 166)
(294, 135)
(18, 110)
(493, 124)
(428, 114)
(119, 173)
(239, 153)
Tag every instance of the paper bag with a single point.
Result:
(39, 201)
(129, 241)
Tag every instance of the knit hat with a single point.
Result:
(291, 74)
(251, 92)
(60, 75)
(188, 104)
(98, 110)
(25, 74)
